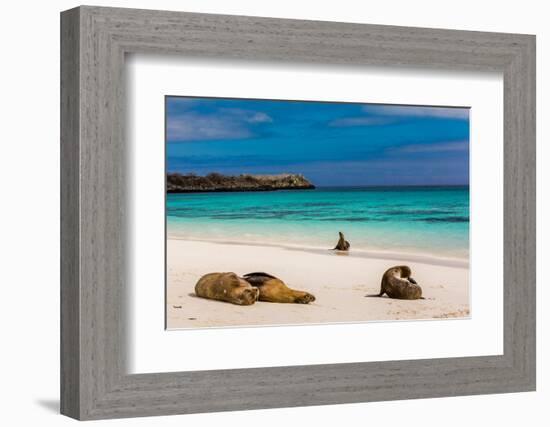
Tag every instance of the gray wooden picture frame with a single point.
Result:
(94, 381)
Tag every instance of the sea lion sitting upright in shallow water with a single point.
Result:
(273, 289)
(343, 244)
(226, 287)
(398, 283)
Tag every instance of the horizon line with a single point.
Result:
(392, 185)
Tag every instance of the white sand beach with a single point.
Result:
(338, 281)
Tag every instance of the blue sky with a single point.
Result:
(332, 144)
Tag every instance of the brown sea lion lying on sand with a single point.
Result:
(248, 289)
(226, 287)
(398, 283)
(343, 244)
(273, 289)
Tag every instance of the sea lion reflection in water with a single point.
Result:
(248, 289)
(398, 283)
(343, 244)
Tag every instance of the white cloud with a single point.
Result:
(377, 115)
(436, 147)
(225, 123)
(461, 113)
(248, 116)
(259, 118)
(360, 121)
(181, 103)
(196, 127)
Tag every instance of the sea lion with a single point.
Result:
(343, 244)
(398, 283)
(273, 289)
(226, 287)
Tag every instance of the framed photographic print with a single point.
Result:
(291, 191)
(278, 189)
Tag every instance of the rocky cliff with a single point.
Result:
(191, 183)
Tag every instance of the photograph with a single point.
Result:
(300, 212)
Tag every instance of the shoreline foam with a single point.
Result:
(359, 253)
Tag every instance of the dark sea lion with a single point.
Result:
(398, 283)
(273, 289)
(343, 244)
(226, 287)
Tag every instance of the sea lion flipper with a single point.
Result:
(382, 288)
(273, 289)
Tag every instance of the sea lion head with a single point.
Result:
(399, 271)
(240, 290)
(403, 271)
(406, 272)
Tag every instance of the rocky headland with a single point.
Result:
(215, 182)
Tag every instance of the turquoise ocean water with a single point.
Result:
(431, 221)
